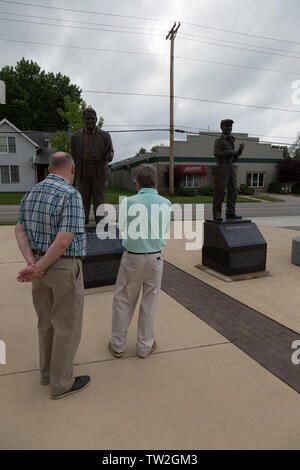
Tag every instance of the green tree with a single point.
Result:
(142, 151)
(156, 147)
(288, 173)
(33, 97)
(286, 152)
(72, 114)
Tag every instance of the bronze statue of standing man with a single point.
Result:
(91, 149)
(225, 178)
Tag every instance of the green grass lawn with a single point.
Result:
(112, 194)
(269, 198)
(13, 199)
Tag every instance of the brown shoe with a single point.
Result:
(154, 346)
(115, 353)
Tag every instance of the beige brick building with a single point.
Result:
(194, 159)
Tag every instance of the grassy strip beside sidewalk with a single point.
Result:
(112, 194)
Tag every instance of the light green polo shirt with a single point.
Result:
(144, 220)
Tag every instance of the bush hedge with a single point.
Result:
(275, 187)
(206, 191)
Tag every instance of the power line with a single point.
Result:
(239, 33)
(296, 74)
(238, 42)
(80, 22)
(148, 54)
(240, 48)
(191, 99)
(79, 27)
(85, 11)
(177, 130)
(134, 141)
(147, 29)
(84, 47)
(93, 12)
(148, 34)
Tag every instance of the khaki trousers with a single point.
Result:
(136, 272)
(58, 301)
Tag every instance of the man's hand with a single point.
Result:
(29, 273)
(241, 148)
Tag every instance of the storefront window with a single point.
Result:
(256, 180)
(192, 181)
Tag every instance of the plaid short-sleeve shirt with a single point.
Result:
(53, 206)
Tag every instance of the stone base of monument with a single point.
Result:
(234, 248)
(102, 261)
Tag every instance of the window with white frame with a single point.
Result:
(256, 180)
(7, 144)
(192, 181)
(9, 174)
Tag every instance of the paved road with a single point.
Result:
(284, 214)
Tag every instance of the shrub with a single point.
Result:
(185, 192)
(206, 191)
(250, 191)
(275, 187)
(243, 188)
(296, 189)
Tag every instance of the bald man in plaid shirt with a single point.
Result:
(51, 236)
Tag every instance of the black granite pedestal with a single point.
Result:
(234, 247)
(102, 261)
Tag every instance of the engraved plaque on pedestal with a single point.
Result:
(102, 261)
(234, 247)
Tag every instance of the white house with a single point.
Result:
(24, 157)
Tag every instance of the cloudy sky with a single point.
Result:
(129, 53)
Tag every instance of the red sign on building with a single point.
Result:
(192, 169)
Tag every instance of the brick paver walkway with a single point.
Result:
(264, 340)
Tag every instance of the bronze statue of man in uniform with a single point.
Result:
(225, 178)
(91, 149)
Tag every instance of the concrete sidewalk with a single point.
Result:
(197, 391)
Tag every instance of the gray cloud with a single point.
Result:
(112, 71)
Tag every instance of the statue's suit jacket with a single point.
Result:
(104, 153)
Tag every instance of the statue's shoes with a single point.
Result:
(233, 217)
(218, 218)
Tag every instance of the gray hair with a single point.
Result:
(145, 176)
(60, 160)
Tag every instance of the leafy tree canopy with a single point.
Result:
(33, 97)
(288, 172)
(72, 114)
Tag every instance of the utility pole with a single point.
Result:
(2, 92)
(172, 35)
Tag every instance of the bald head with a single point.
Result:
(60, 159)
(61, 163)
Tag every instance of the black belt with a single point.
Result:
(152, 253)
(42, 253)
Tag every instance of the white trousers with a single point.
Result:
(136, 272)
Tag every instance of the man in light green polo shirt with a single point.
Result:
(144, 220)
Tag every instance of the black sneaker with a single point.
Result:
(79, 384)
